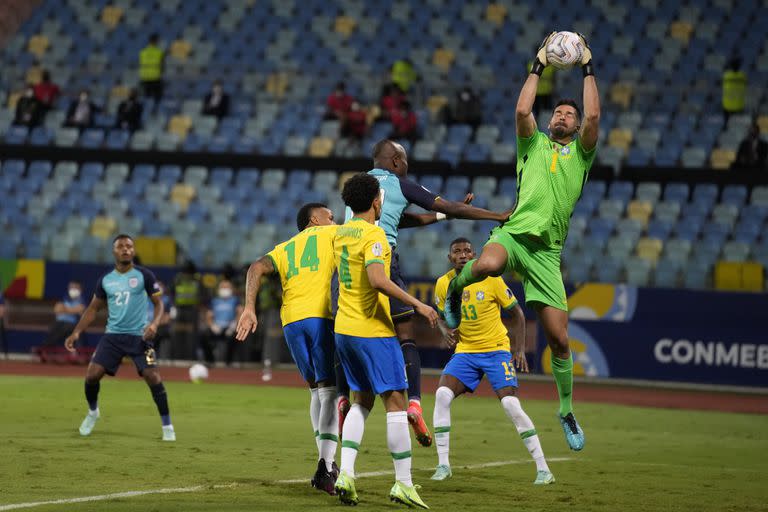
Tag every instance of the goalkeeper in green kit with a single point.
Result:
(551, 172)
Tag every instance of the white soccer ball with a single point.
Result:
(198, 373)
(564, 50)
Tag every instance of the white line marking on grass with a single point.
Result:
(196, 488)
(103, 497)
(469, 466)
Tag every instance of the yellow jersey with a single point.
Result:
(305, 264)
(363, 311)
(481, 328)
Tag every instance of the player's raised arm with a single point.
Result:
(525, 121)
(381, 283)
(459, 210)
(248, 322)
(414, 220)
(87, 318)
(591, 122)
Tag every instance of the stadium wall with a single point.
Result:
(617, 331)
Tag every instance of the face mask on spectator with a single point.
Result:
(83, 97)
(74, 293)
(225, 293)
(29, 93)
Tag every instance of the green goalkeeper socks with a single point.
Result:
(562, 370)
(465, 277)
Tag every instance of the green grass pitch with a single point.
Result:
(237, 442)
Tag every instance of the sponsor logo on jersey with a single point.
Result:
(480, 296)
(133, 282)
(465, 296)
(509, 293)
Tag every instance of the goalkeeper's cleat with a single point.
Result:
(408, 496)
(420, 429)
(442, 472)
(86, 427)
(544, 478)
(168, 433)
(323, 479)
(343, 409)
(345, 488)
(452, 311)
(573, 433)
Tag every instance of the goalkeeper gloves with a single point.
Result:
(586, 58)
(540, 62)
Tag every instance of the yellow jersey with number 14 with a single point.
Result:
(305, 264)
(481, 328)
(363, 311)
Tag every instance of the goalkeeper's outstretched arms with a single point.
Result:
(591, 123)
(525, 121)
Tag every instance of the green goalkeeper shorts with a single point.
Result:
(537, 264)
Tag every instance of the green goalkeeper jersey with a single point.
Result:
(550, 177)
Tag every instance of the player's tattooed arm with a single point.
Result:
(86, 319)
(383, 284)
(248, 321)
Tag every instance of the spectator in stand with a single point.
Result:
(392, 98)
(3, 345)
(338, 102)
(188, 295)
(163, 335)
(355, 123)
(29, 111)
(734, 88)
(151, 62)
(468, 108)
(216, 102)
(46, 91)
(221, 321)
(269, 301)
(82, 112)
(753, 151)
(403, 74)
(68, 311)
(404, 123)
(129, 112)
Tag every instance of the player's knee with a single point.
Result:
(488, 266)
(92, 378)
(444, 396)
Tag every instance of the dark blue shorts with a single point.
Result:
(372, 364)
(397, 309)
(311, 344)
(469, 369)
(112, 348)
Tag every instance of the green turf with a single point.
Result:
(635, 458)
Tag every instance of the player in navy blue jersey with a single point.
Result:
(125, 291)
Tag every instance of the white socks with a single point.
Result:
(314, 416)
(352, 435)
(327, 425)
(399, 444)
(525, 428)
(442, 423)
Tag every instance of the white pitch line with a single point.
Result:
(470, 466)
(103, 497)
(195, 488)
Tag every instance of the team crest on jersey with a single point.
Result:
(133, 282)
(565, 150)
(377, 250)
(480, 296)
(465, 296)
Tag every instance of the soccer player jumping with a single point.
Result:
(483, 348)
(551, 172)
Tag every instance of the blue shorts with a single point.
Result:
(372, 364)
(311, 344)
(469, 369)
(112, 348)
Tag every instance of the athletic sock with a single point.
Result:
(465, 277)
(442, 423)
(562, 371)
(412, 368)
(161, 400)
(399, 444)
(314, 416)
(352, 436)
(525, 428)
(328, 425)
(92, 395)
